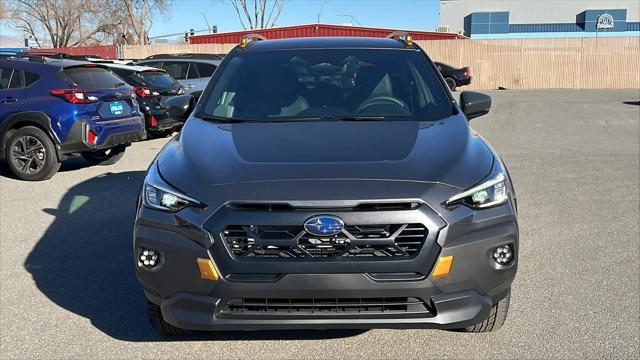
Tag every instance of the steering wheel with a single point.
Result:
(378, 100)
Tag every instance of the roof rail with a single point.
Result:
(32, 58)
(247, 39)
(401, 35)
(187, 55)
(58, 55)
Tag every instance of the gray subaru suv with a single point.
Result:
(327, 183)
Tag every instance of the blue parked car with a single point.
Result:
(53, 109)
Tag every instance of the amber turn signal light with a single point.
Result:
(443, 267)
(207, 270)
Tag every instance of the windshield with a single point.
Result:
(327, 83)
(156, 79)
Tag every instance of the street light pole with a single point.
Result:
(353, 18)
(324, 2)
(205, 20)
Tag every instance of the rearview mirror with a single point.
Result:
(180, 107)
(474, 104)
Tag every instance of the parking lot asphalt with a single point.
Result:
(67, 287)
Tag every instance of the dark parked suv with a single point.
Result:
(153, 87)
(53, 109)
(327, 183)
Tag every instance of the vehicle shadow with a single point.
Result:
(637, 103)
(4, 170)
(83, 263)
(72, 164)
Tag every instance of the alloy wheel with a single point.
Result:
(29, 155)
(451, 83)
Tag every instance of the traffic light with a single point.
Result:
(192, 32)
(186, 37)
(214, 29)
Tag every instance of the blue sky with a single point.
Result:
(405, 14)
(409, 14)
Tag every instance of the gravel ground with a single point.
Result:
(67, 288)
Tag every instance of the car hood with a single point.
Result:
(207, 154)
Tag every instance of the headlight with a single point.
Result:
(490, 193)
(159, 195)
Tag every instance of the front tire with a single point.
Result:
(496, 319)
(158, 322)
(106, 156)
(451, 83)
(31, 154)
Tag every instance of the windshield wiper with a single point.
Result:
(294, 119)
(226, 120)
(232, 120)
(354, 118)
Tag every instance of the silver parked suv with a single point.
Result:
(193, 71)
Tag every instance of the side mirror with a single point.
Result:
(180, 107)
(196, 95)
(474, 104)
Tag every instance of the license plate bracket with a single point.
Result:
(116, 108)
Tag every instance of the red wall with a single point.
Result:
(104, 51)
(316, 30)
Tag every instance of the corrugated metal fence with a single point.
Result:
(142, 51)
(573, 63)
(104, 51)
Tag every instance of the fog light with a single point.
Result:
(148, 258)
(503, 255)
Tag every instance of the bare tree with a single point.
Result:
(59, 23)
(263, 14)
(64, 23)
(139, 18)
(3, 11)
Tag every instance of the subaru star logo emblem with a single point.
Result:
(323, 225)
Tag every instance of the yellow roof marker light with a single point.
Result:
(443, 267)
(249, 38)
(207, 269)
(408, 40)
(403, 36)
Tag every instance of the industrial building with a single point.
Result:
(315, 30)
(506, 19)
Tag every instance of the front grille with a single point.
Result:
(373, 206)
(329, 306)
(386, 240)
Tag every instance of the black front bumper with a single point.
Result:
(450, 311)
(464, 298)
